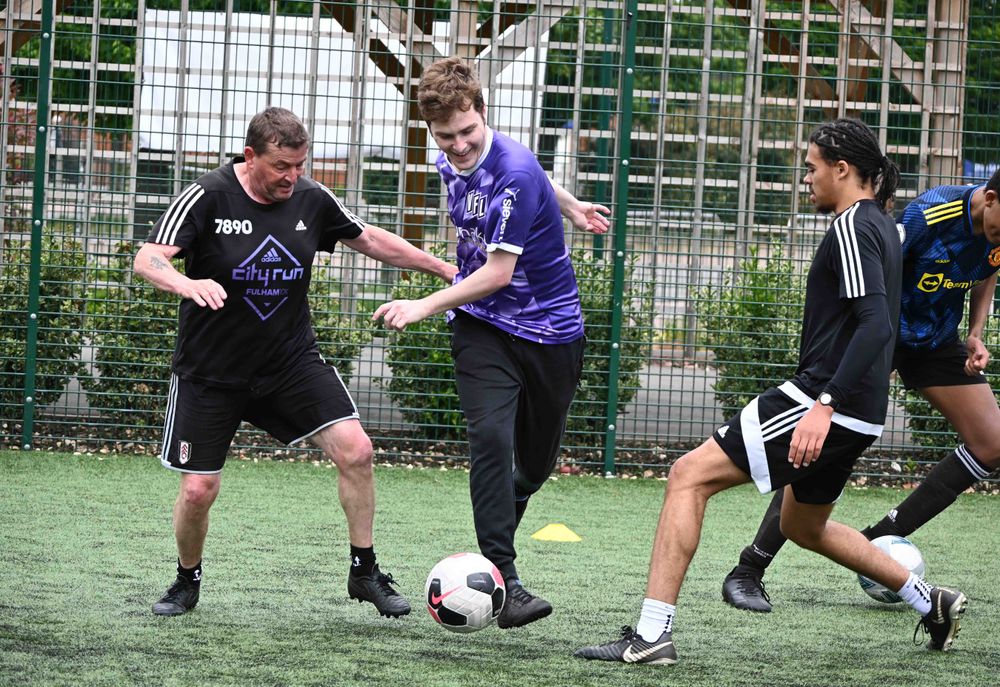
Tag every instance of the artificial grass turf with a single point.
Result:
(86, 547)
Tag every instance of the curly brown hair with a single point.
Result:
(449, 86)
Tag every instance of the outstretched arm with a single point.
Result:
(390, 248)
(152, 263)
(583, 215)
(491, 277)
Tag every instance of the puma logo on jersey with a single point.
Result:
(513, 192)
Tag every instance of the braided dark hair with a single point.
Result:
(853, 142)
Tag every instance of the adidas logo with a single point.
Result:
(300, 226)
(271, 256)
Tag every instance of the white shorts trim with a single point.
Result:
(323, 426)
(851, 423)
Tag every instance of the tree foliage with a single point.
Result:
(751, 322)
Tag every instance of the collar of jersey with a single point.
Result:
(486, 151)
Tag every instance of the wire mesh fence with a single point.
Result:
(688, 119)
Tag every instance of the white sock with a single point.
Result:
(657, 617)
(917, 593)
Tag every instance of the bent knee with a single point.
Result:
(685, 474)
(199, 493)
(355, 456)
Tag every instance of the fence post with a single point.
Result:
(37, 221)
(621, 175)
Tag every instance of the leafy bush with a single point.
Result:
(59, 319)
(340, 333)
(752, 323)
(134, 328)
(423, 378)
(596, 283)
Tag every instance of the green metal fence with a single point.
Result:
(687, 118)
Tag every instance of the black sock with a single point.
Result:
(949, 478)
(769, 539)
(192, 575)
(362, 560)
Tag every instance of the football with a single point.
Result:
(903, 552)
(465, 592)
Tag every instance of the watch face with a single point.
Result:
(825, 399)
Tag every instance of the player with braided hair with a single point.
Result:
(951, 248)
(805, 435)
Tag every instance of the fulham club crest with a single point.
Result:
(184, 453)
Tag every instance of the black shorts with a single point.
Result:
(758, 437)
(202, 420)
(944, 366)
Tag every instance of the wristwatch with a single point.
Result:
(825, 399)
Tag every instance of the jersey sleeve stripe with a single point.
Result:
(506, 247)
(347, 213)
(940, 218)
(850, 255)
(173, 218)
(942, 208)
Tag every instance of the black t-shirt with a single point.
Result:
(859, 256)
(262, 255)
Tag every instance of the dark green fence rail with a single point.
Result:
(688, 119)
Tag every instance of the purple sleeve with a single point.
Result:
(511, 213)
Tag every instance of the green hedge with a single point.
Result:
(132, 328)
(60, 318)
(752, 323)
(423, 378)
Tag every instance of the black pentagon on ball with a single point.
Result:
(450, 617)
(481, 582)
(497, 596)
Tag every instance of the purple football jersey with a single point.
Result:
(506, 202)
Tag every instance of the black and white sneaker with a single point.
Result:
(943, 621)
(632, 648)
(377, 589)
(180, 598)
(521, 607)
(743, 588)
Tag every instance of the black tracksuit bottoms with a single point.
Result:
(515, 394)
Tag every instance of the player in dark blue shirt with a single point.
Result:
(951, 248)
(517, 325)
(805, 435)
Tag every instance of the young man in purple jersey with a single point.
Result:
(951, 248)
(805, 435)
(248, 232)
(515, 313)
